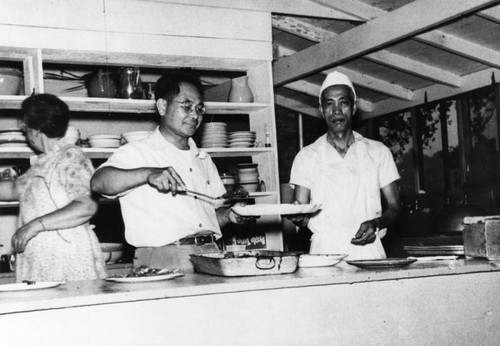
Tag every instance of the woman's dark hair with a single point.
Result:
(168, 86)
(46, 113)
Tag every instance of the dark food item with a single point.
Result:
(146, 271)
(239, 192)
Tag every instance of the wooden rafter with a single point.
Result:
(296, 106)
(308, 31)
(437, 92)
(492, 14)
(295, 7)
(365, 81)
(384, 30)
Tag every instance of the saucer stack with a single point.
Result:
(241, 139)
(12, 138)
(214, 135)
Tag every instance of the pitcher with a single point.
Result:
(130, 84)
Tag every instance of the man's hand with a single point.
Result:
(233, 217)
(300, 220)
(166, 180)
(366, 233)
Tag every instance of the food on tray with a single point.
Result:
(144, 271)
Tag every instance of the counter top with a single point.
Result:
(95, 292)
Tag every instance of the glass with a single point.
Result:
(189, 107)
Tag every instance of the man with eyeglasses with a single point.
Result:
(150, 177)
(346, 173)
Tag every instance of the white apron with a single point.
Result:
(348, 188)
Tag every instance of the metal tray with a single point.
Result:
(246, 263)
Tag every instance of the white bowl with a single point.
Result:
(135, 135)
(104, 136)
(104, 143)
(111, 252)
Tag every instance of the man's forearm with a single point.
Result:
(113, 181)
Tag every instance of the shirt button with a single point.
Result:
(190, 169)
(208, 182)
(200, 225)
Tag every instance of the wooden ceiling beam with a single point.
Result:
(296, 7)
(296, 106)
(312, 89)
(312, 33)
(492, 14)
(436, 38)
(465, 48)
(363, 80)
(377, 33)
(437, 92)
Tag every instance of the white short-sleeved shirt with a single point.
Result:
(348, 188)
(153, 218)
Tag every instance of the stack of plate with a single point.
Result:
(104, 141)
(241, 139)
(12, 138)
(214, 135)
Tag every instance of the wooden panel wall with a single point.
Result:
(137, 27)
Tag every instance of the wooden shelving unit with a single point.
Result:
(105, 38)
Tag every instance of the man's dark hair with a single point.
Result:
(46, 113)
(168, 86)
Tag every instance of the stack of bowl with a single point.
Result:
(241, 139)
(248, 176)
(104, 141)
(229, 182)
(214, 135)
(12, 138)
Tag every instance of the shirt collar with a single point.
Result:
(161, 142)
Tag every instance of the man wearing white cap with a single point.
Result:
(345, 173)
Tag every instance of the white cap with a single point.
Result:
(336, 78)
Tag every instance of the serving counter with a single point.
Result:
(453, 302)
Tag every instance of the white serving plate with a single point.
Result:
(327, 260)
(145, 278)
(275, 209)
(23, 286)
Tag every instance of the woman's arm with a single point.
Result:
(76, 213)
(8, 191)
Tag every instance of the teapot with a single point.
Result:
(129, 83)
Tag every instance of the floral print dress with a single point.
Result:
(52, 182)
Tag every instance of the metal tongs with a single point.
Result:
(196, 193)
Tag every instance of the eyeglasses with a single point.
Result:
(189, 107)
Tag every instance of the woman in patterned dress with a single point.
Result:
(55, 242)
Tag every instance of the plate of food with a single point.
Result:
(382, 263)
(146, 274)
(275, 209)
(29, 285)
(320, 260)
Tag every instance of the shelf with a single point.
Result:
(106, 105)
(236, 152)
(104, 153)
